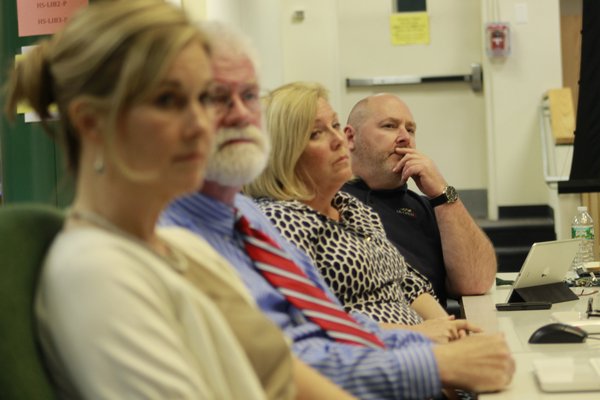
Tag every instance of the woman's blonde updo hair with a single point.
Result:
(290, 113)
(114, 53)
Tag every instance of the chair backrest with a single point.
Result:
(26, 232)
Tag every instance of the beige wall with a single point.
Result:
(261, 20)
(310, 46)
(196, 9)
(223, 10)
(514, 88)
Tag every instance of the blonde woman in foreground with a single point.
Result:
(125, 311)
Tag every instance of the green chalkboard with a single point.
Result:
(31, 163)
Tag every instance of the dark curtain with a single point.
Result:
(586, 153)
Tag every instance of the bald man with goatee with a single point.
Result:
(434, 231)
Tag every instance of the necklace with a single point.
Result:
(174, 257)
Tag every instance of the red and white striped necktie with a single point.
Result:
(281, 272)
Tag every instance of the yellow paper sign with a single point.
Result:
(409, 28)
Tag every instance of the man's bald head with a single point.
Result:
(364, 108)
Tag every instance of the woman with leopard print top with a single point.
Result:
(299, 192)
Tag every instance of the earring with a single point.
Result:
(99, 164)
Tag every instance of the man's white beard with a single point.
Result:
(238, 164)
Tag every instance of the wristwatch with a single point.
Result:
(449, 195)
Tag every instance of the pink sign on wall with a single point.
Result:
(44, 17)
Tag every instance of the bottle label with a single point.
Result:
(584, 232)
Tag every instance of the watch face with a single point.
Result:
(451, 194)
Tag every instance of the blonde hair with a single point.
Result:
(113, 53)
(290, 116)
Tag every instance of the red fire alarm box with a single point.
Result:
(497, 39)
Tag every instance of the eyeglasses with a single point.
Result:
(224, 98)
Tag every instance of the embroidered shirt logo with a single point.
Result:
(409, 212)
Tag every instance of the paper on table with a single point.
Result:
(554, 370)
(566, 374)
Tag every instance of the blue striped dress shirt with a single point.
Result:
(405, 370)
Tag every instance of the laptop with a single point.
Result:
(543, 272)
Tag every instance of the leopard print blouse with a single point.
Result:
(364, 270)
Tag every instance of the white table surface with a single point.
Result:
(518, 327)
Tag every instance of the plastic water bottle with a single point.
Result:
(583, 227)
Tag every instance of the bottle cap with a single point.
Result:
(581, 208)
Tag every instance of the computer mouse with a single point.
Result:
(558, 333)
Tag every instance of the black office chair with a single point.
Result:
(26, 232)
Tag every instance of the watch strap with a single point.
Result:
(439, 200)
(448, 195)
